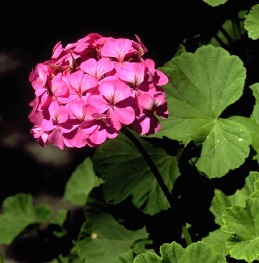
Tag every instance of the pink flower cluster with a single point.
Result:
(90, 89)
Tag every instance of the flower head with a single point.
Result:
(88, 90)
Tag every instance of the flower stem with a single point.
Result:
(157, 175)
(150, 163)
(186, 235)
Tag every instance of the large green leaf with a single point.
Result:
(81, 182)
(18, 213)
(221, 202)
(103, 239)
(201, 86)
(175, 253)
(242, 225)
(126, 173)
(251, 23)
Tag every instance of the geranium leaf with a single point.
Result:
(196, 252)
(201, 86)
(225, 148)
(18, 213)
(81, 182)
(103, 239)
(125, 257)
(147, 258)
(216, 239)
(215, 2)
(174, 252)
(255, 113)
(242, 225)
(230, 31)
(251, 23)
(221, 202)
(252, 125)
(126, 173)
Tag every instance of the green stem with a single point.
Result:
(186, 235)
(157, 175)
(150, 163)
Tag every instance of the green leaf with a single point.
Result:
(201, 86)
(255, 113)
(221, 202)
(230, 31)
(196, 252)
(59, 219)
(126, 173)
(253, 127)
(1, 259)
(225, 148)
(216, 239)
(126, 257)
(242, 225)
(103, 239)
(215, 2)
(175, 253)
(19, 213)
(82, 180)
(148, 258)
(251, 23)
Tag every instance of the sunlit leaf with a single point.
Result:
(242, 225)
(103, 239)
(215, 2)
(18, 213)
(221, 202)
(201, 86)
(81, 182)
(175, 253)
(251, 23)
(126, 173)
(217, 239)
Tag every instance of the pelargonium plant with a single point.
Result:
(173, 174)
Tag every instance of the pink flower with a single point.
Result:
(93, 87)
(115, 100)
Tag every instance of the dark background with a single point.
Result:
(29, 32)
